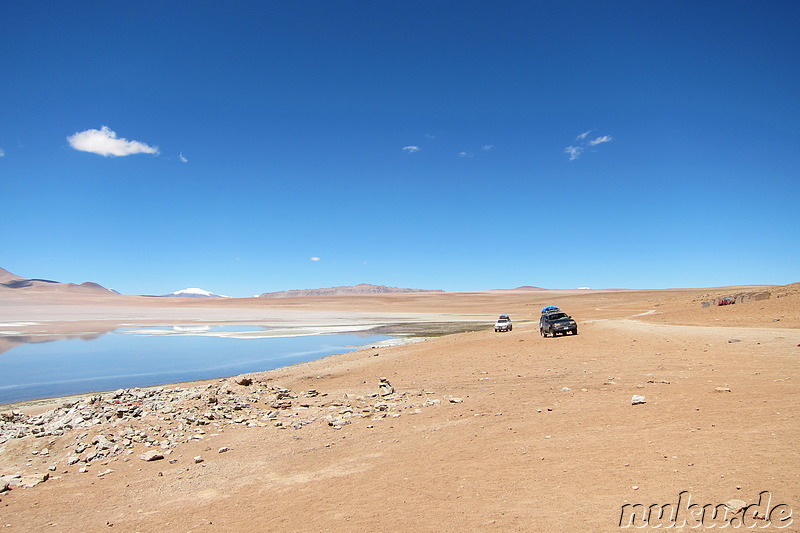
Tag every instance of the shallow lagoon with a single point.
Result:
(134, 357)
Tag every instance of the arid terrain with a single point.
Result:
(479, 430)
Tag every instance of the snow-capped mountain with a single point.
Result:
(194, 292)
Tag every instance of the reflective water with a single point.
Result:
(125, 359)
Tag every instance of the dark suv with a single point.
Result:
(557, 322)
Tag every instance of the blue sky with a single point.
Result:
(454, 145)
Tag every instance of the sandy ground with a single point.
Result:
(545, 439)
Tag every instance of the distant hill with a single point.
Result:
(6, 276)
(524, 288)
(36, 285)
(362, 288)
(193, 292)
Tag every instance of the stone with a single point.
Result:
(338, 423)
(244, 381)
(385, 387)
(223, 449)
(637, 399)
(735, 505)
(152, 455)
(30, 481)
(734, 340)
(105, 472)
(198, 459)
(722, 389)
(456, 400)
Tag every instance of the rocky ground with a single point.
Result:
(657, 397)
(105, 428)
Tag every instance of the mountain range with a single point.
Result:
(361, 288)
(14, 282)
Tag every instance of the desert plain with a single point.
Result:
(480, 431)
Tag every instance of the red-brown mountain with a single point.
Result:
(361, 288)
(18, 283)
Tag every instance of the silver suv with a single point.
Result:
(503, 324)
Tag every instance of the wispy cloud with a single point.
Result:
(573, 151)
(487, 147)
(464, 154)
(2, 152)
(315, 259)
(601, 140)
(183, 159)
(411, 149)
(429, 136)
(105, 142)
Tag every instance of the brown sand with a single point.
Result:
(520, 453)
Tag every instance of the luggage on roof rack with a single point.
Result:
(550, 309)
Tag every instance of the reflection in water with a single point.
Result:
(7, 342)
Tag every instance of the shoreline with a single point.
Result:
(402, 334)
(38, 405)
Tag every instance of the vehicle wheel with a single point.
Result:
(574, 331)
(510, 328)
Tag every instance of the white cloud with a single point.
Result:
(105, 142)
(411, 149)
(487, 147)
(601, 140)
(315, 258)
(2, 152)
(429, 136)
(183, 159)
(573, 151)
(464, 154)
(576, 151)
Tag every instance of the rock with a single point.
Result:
(152, 455)
(734, 340)
(735, 505)
(636, 399)
(198, 459)
(338, 423)
(722, 389)
(223, 449)
(105, 472)
(565, 389)
(385, 387)
(30, 481)
(456, 400)
(243, 381)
